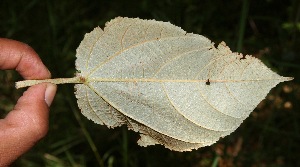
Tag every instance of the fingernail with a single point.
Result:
(50, 93)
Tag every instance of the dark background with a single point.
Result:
(267, 29)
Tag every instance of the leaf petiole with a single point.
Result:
(26, 83)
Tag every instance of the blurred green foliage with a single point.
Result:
(267, 29)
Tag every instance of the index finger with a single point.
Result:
(21, 57)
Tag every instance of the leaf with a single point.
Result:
(174, 88)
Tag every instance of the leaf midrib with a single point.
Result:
(181, 80)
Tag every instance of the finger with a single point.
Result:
(20, 56)
(27, 123)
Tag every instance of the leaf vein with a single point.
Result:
(130, 47)
(180, 113)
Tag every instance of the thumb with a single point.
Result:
(26, 123)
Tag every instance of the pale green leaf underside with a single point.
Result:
(152, 77)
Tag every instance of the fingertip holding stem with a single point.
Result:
(50, 93)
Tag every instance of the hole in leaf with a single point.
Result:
(244, 57)
(207, 82)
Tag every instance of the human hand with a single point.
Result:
(28, 121)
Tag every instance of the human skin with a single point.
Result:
(27, 123)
